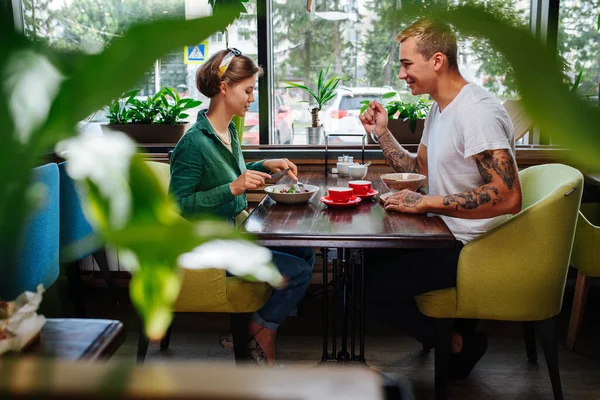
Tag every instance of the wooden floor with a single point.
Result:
(503, 373)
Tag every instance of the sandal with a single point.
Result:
(226, 341)
(257, 356)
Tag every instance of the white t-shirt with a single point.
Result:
(473, 122)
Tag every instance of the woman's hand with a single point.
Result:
(279, 164)
(248, 180)
(368, 119)
(405, 201)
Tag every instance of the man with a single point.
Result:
(467, 154)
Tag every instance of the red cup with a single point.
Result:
(340, 194)
(360, 188)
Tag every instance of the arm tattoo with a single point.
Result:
(499, 161)
(411, 199)
(400, 159)
(473, 198)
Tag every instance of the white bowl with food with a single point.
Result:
(289, 193)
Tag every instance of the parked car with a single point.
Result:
(91, 125)
(284, 123)
(342, 114)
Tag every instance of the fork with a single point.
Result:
(300, 186)
(373, 135)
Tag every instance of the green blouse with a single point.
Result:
(202, 168)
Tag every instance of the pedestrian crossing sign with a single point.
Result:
(196, 54)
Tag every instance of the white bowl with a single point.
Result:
(291, 198)
(342, 168)
(357, 171)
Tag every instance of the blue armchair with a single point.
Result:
(37, 259)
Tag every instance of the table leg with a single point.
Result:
(361, 358)
(352, 308)
(324, 254)
(333, 309)
(343, 355)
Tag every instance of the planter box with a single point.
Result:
(150, 133)
(401, 131)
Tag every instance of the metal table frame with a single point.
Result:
(328, 135)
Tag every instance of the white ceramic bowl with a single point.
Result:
(357, 171)
(342, 168)
(291, 198)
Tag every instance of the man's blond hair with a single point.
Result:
(431, 37)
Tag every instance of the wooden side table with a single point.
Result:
(78, 339)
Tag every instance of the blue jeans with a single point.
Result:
(296, 265)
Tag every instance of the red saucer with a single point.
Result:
(354, 200)
(369, 194)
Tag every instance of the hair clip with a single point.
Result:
(227, 60)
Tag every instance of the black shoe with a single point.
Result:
(461, 364)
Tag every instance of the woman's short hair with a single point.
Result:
(432, 36)
(208, 78)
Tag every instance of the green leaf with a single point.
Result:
(412, 123)
(577, 81)
(389, 95)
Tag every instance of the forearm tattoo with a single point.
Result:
(400, 159)
(499, 161)
(473, 198)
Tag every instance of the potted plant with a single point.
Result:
(405, 119)
(156, 119)
(325, 91)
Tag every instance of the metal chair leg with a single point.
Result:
(546, 330)
(142, 345)
(529, 334)
(239, 330)
(164, 343)
(102, 261)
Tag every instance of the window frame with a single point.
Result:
(544, 19)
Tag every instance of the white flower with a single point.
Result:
(31, 83)
(236, 256)
(105, 161)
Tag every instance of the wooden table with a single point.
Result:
(367, 226)
(78, 339)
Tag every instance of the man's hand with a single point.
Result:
(279, 164)
(248, 180)
(405, 201)
(368, 119)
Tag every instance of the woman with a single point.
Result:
(209, 176)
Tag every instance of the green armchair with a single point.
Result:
(586, 259)
(211, 290)
(515, 272)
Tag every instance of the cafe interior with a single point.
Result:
(299, 278)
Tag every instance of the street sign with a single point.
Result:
(196, 54)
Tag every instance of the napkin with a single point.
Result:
(19, 320)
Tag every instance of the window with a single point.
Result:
(579, 44)
(217, 37)
(356, 40)
(89, 25)
(353, 38)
